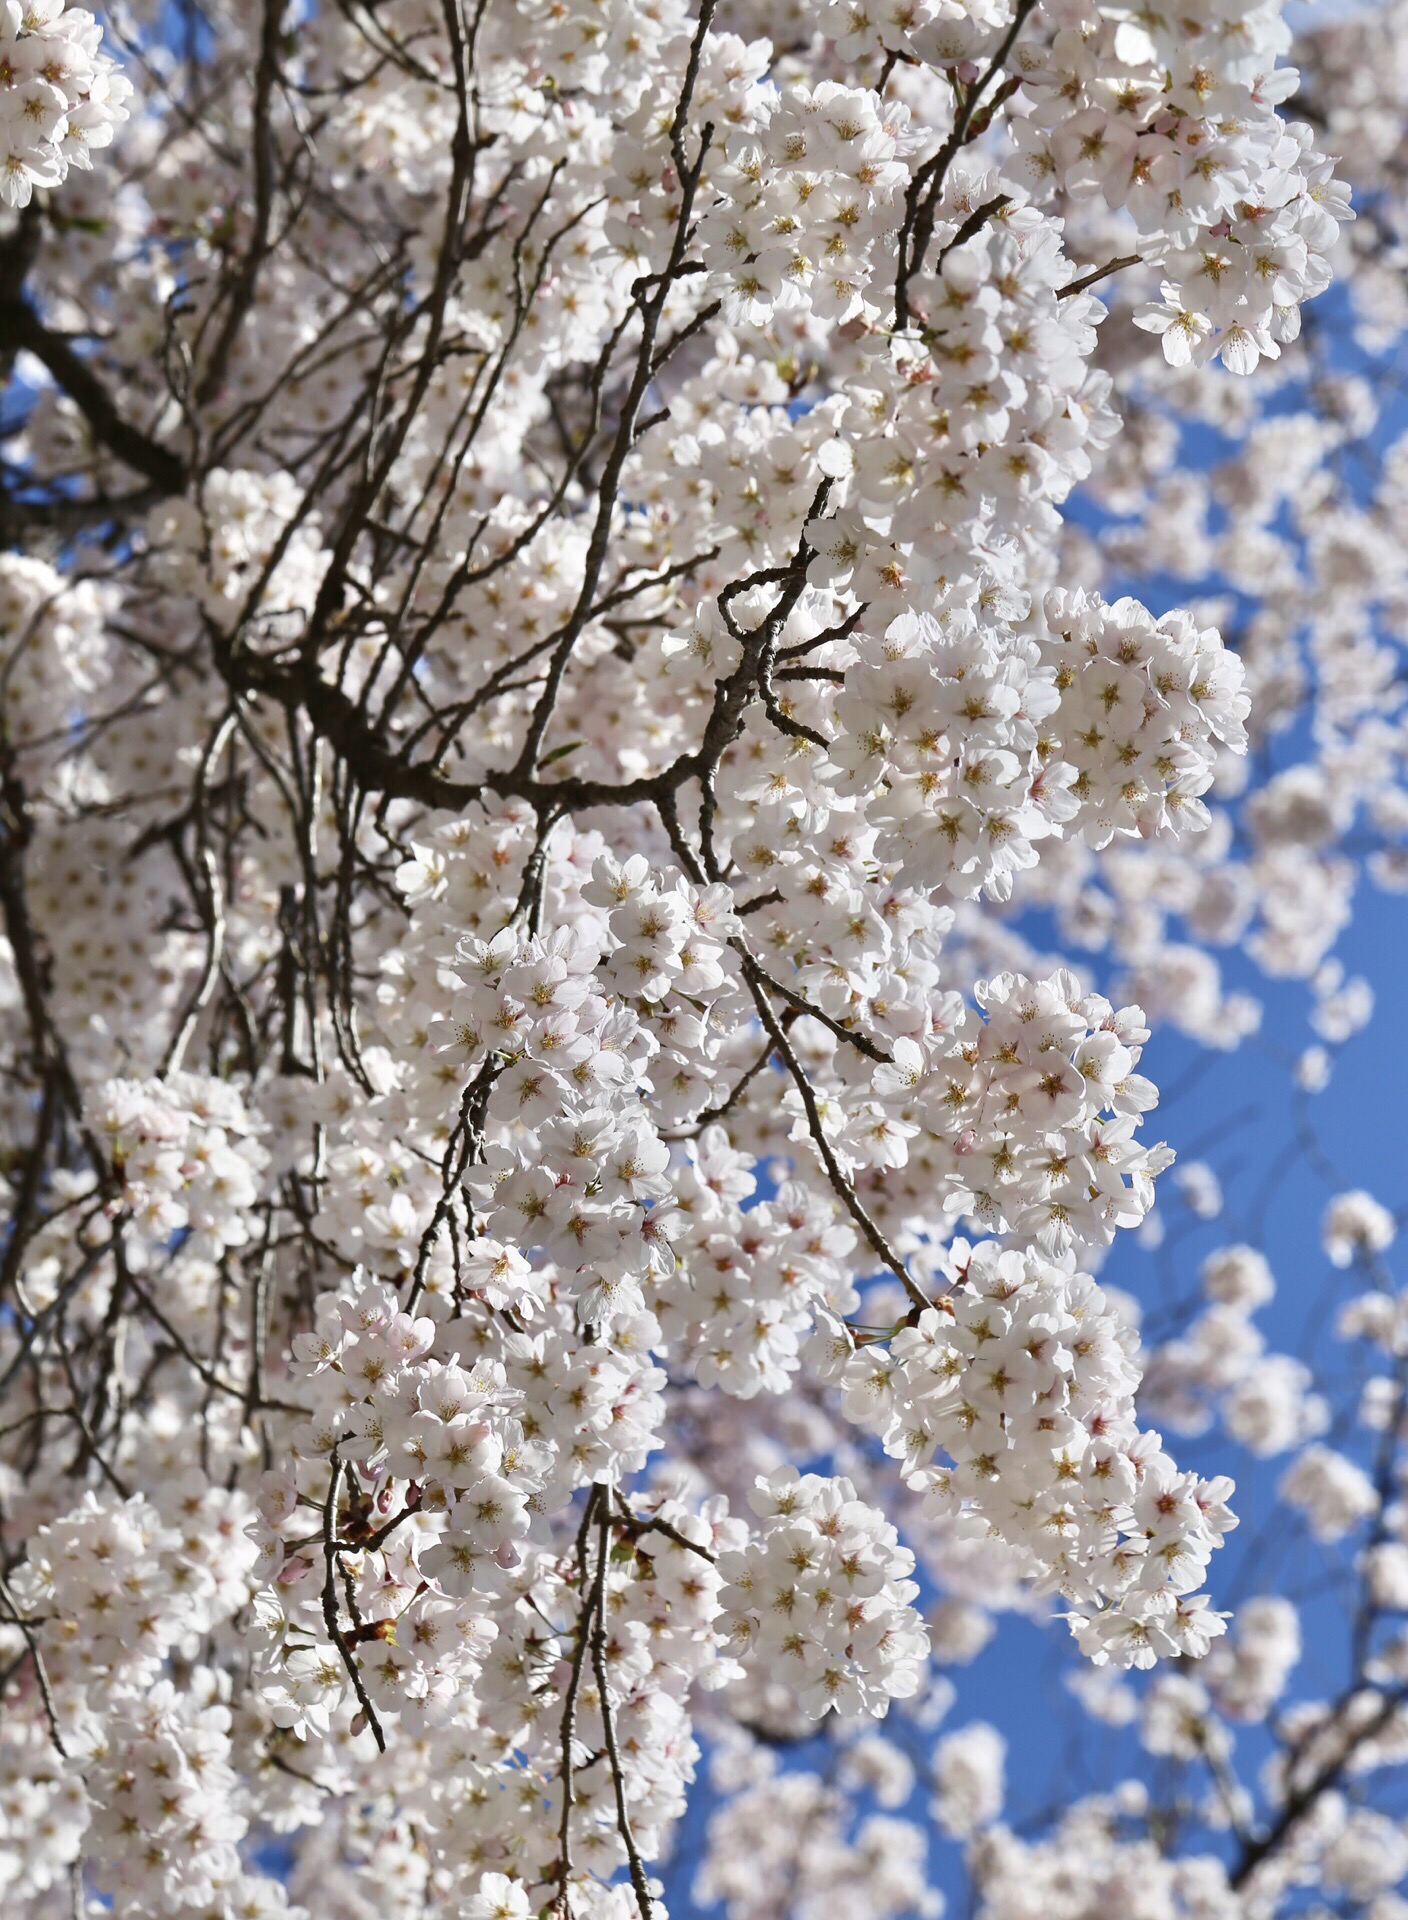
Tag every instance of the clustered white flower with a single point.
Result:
(117, 1587)
(1023, 1362)
(162, 1771)
(1356, 1226)
(56, 654)
(1218, 1365)
(820, 1600)
(59, 95)
(1094, 1863)
(1176, 123)
(186, 1153)
(553, 1197)
(781, 1836)
(968, 1778)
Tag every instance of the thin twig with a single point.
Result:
(41, 1672)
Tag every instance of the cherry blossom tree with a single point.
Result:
(602, 783)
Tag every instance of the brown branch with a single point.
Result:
(922, 196)
(41, 1674)
(1085, 280)
(20, 327)
(636, 1866)
(1300, 1802)
(840, 1184)
(246, 279)
(330, 1619)
(569, 1700)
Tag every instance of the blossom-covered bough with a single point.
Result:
(553, 1201)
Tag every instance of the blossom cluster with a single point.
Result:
(60, 96)
(1024, 1361)
(186, 1153)
(1176, 124)
(590, 850)
(820, 1599)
